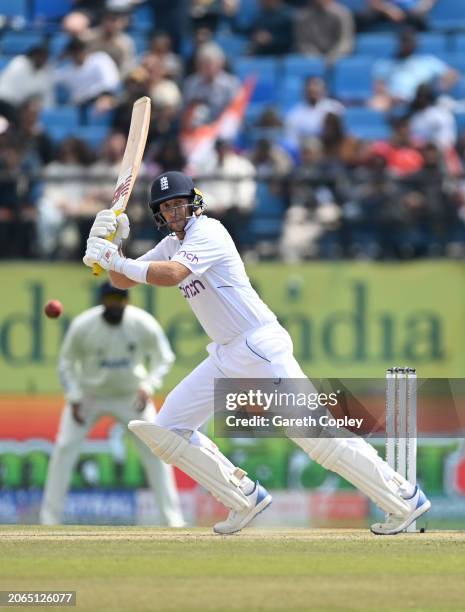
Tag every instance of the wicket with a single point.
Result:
(401, 423)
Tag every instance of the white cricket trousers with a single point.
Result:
(266, 352)
(66, 451)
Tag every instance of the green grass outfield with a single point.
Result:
(145, 568)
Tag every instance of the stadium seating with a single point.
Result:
(447, 15)
(247, 12)
(352, 79)
(16, 43)
(232, 44)
(140, 41)
(302, 66)
(435, 43)
(4, 61)
(14, 8)
(265, 69)
(93, 135)
(382, 44)
(143, 19)
(268, 214)
(50, 9)
(361, 121)
(356, 6)
(458, 43)
(57, 43)
(60, 116)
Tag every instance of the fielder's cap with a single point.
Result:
(108, 289)
(171, 185)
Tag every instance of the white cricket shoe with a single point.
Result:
(419, 504)
(260, 499)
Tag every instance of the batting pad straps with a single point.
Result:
(198, 462)
(133, 269)
(358, 462)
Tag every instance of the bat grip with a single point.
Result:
(96, 269)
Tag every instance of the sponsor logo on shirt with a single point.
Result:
(192, 289)
(117, 363)
(192, 257)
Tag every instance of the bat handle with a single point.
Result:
(96, 269)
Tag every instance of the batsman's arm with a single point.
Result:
(120, 281)
(159, 273)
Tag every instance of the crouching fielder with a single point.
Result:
(247, 342)
(112, 359)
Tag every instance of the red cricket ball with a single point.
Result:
(53, 309)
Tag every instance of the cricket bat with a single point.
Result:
(132, 158)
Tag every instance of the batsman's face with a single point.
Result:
(176, 213)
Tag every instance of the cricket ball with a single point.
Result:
(53, 309)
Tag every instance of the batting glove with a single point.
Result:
(107, 223)
(102, 252)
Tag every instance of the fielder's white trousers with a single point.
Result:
(66, 451)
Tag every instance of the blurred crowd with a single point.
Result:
(296, 181)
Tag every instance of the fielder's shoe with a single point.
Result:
(419, 504)
(259, 500)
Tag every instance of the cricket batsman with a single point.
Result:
(112, 359)
(200, 257)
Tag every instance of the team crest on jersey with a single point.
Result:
(164, 183)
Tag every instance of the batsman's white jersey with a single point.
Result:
(102, 367)
(248, 342)
(218, 290)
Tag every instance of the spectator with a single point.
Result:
(210, 86)
(399, 152)
(430, 122)
(324, 27)
(61, 204)
(306, 118)
(161, 46)
(17, 202)
(103, 173)
(164, 122)
(110, 38)
(205, 14)
(162, 91)
(271, 161)
(93, 8)
(374, 219)
(200, 36)
(228, 184)
(431, 204)
(338, 146)
(172, 17)
(76, 24)
(38, 148)
(90, 76)
(397, 80)
(270, 33)
(24, 77)
(136, 85)
(313, 218)
(166, 158)
(399, 12)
